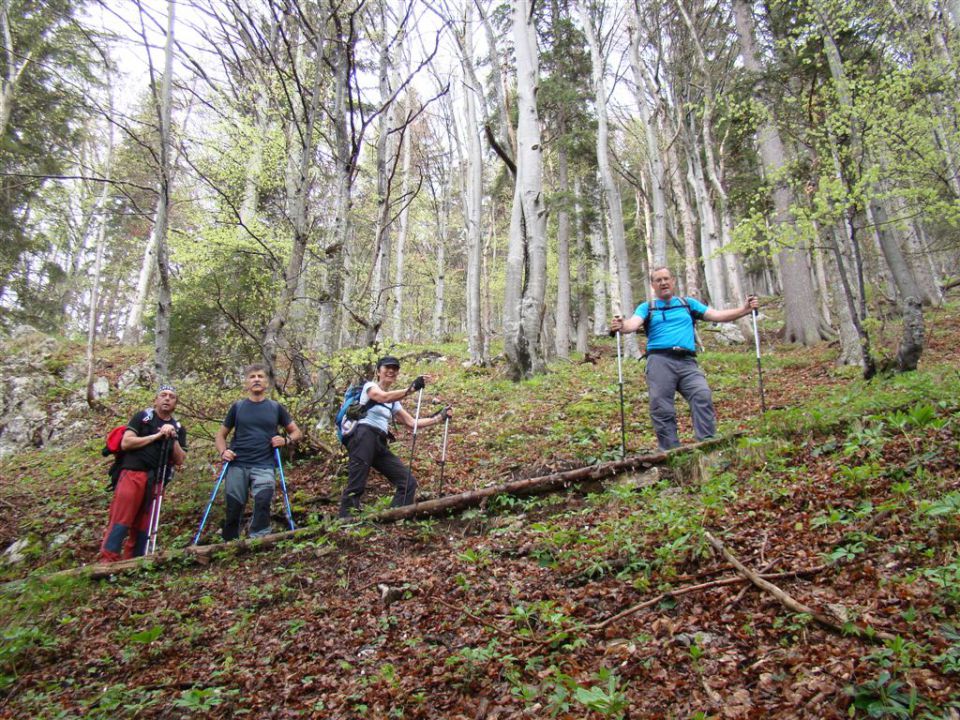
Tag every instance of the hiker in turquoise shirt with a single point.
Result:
(672, 356)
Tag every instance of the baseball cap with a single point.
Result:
(388, 360)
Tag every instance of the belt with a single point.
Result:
(673, 352)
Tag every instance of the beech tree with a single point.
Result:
(523, 303)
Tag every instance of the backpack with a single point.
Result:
(112, 447)
(351, 412)
(694, 315)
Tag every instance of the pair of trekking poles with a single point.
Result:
(623, 425)
(216, 489)
(157, 490)
(413, 443)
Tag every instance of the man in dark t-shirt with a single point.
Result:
(254, 422)
(148, 433)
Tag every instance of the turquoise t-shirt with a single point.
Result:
(378, 416)
(670, 324)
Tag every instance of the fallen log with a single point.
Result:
(429, 508)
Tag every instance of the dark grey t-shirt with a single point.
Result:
(253, 424)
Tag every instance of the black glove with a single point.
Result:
(443, 412)
(418, 384)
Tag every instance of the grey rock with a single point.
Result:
(14, 553)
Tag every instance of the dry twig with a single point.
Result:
(791, 603)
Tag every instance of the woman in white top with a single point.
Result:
(367, 444)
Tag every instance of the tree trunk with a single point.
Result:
(101, 220)
(624, 303)
(850, 353)
(473, 195)
(911, 343)
(329, 326)
(601, 274)
(507, 138)
(583, 271)
(164, 298)
(801, 315)
(443, 232)
(562, 338)
(690, 254)
(709, 237)
(386, 161)
(526, 256)
(654, 162)
(15, 62)
(303, 116)
(398, 333)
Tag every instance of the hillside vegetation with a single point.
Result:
(603, 600)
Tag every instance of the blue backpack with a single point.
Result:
(351, 412)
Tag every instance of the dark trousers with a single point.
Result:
(368, 449)
(667, 375)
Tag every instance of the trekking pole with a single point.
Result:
(283, 486)
(443, 452)
(623, 424)
(213, 496)
(756, 340)
(413, 443)
(158, 487)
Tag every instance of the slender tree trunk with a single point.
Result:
(329, 327)
(507, 136)
(850, 352)
(164, 295)
(15, 64)
(443, 232)
(473, 195)
(691, 256)
(402, 233)
(709, 238)
(654, 161)
(624, 304)
(101, 220)
(386, 164)
(583, 266)
(601, 276)
(562, 339)
(300, 220)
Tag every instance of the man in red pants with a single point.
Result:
(148, 433)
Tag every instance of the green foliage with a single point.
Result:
(122, 700)
(18, 645)
(884, 697)
(606, 697)
(203, 700)
(947, 579)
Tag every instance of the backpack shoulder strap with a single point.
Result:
(696, 315)
(369, 403)
(647, 318)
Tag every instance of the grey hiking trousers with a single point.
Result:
(666, 375)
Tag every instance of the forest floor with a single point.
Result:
(845, 492)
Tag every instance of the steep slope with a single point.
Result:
(603, 601)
